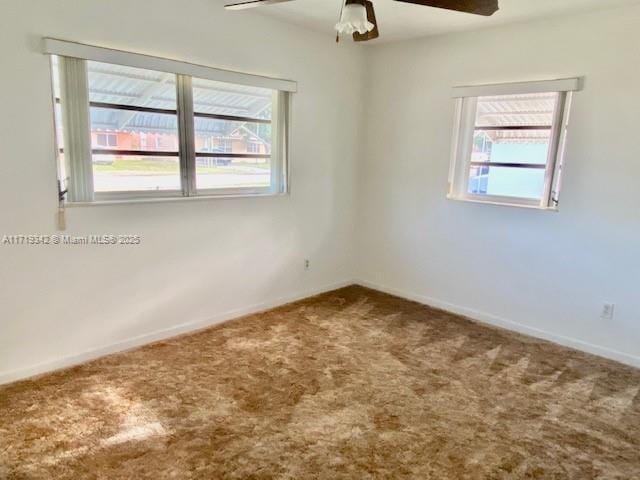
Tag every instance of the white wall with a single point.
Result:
(199, 260)
(547, 272)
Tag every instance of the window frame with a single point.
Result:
(253, 147)
(464, 126)
(184, 72)
(107, 136)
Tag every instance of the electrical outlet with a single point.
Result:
(608, 310)
(307, 264)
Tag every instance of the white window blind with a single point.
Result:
(64, 48)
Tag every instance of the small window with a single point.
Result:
(509, 142)
(225, 145)
(106, 140)
(128, 132)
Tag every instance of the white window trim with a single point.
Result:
(462, 140)
(81, 182)
(518, 88)
(64, 48)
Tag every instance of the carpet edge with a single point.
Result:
(62, 363)
(506, 324)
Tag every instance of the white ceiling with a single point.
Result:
(398, 21)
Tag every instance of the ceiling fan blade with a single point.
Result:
(251, 3)
(371, 16)
(478, 7)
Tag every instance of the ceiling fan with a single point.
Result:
(358, 17)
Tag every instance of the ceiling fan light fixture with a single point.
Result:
(354, 19)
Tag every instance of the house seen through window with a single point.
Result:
(140, 144)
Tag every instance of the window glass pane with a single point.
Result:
(126, 130)
(232, 172)
(226, 136)
(131, 86)
(121, 131)
(513, 132)
(516, 110)
(229, 99)
(121, 173)
(246, 143)
(520, 147)
(511, 146)
(507, 181)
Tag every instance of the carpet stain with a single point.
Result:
(352, 384)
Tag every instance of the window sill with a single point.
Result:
(502, 204)
(128, 201)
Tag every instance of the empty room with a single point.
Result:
(320, 239)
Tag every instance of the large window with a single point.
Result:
(509, 143)
(129, 132)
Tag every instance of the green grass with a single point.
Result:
(169, 167)
(139, 165)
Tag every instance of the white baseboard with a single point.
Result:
(69, 361)
(72, 360)
(508, 324)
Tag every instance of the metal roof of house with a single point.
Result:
(134, 86)
(124, 85)
(535, 110)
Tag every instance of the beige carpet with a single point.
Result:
(353, 384)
